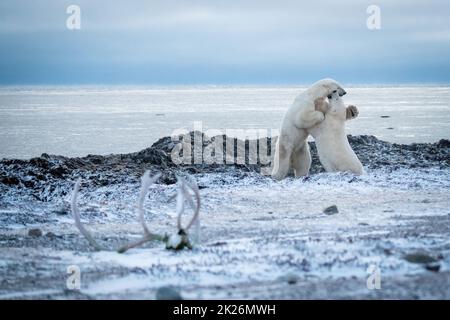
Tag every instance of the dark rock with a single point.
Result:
(40, 162)
(419, 258)
(443, 143)
(290, 278)
(51, 235)
(10, 180)
(61, 211)
(331, 210)
(35, 232)
(384, 116)
(219, 243)
(168, 293)
(59, 171)
(48, 175)
(435, 267)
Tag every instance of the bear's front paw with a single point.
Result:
(352, 112)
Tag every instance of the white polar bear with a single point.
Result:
(292, 148)
(335, 153)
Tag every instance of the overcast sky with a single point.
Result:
(223, 42)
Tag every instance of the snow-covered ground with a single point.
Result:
(260, 239)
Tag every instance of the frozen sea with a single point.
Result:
(81, 120)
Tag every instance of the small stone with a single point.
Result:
(331, 210)
(61, 211)
(390, 128)
(419, 258)
(426, 201)
(50, 235)
(385, 117)
(290, 278)
(219, 243)
(10, 181)
(35, 232)
(168, 293)
(435, 267)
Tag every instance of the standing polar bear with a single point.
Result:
(335, 152)
(306, 112)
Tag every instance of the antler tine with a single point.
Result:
(183, 193)
(76, 215)
(193, 186)
(180, 202)
(146, 238)
(146, 182)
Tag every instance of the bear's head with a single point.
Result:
(336, 105)
(326, 87)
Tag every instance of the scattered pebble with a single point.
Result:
(385, 117)
(35, 232)
(426, 201)
(290, 278)
(61, 211)
(331, 210)
(390, 128)
(50, 235)
(168, 293)
(219, 243)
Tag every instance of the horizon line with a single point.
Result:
(222, 84)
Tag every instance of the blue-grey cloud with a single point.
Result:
(213, 41)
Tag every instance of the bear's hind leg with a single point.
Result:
(301, 160)
(281, 160)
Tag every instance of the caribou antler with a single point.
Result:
(76, 216)
(146, 182)
(176, 241)
(183, 193)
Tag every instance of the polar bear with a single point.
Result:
(305, 113)
(335, 153)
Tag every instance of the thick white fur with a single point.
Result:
(335, 153)
(292, 149)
